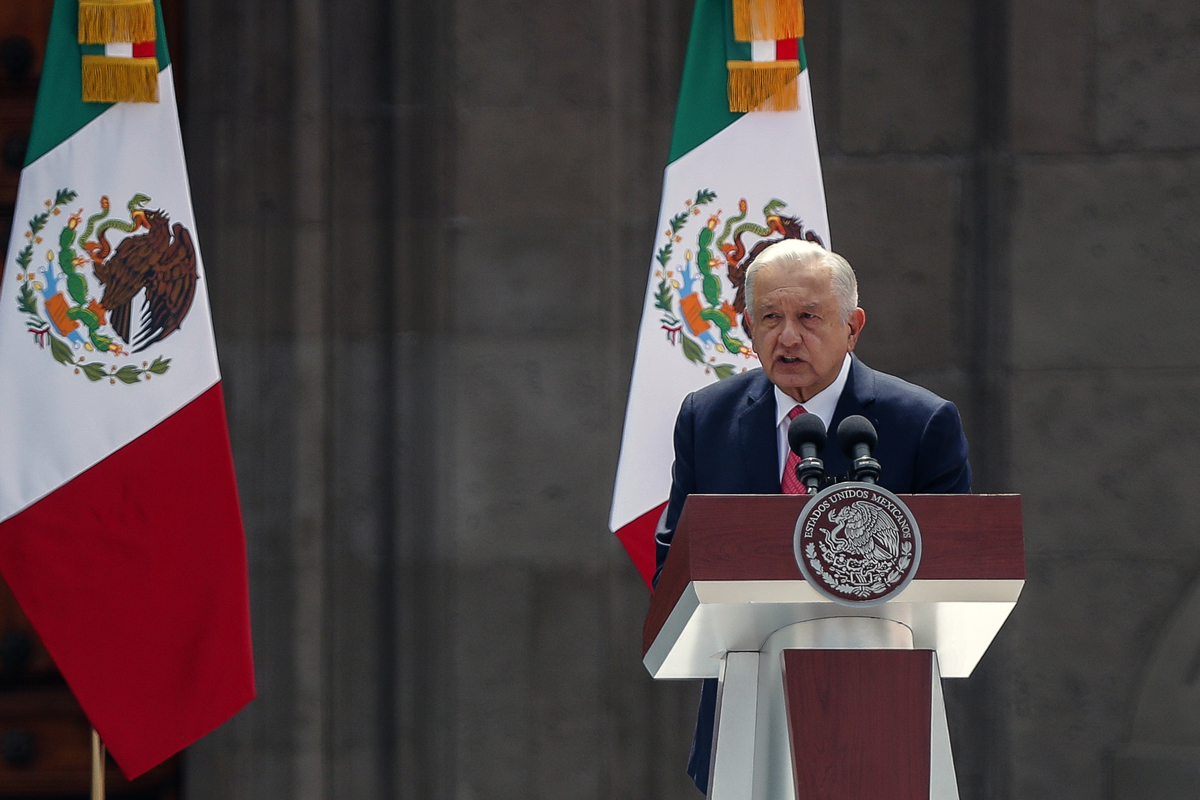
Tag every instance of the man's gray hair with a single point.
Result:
(803, 253)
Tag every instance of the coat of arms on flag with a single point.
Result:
(700, 291)
(99, 305)
(743, 172)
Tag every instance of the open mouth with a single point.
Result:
(789, 359)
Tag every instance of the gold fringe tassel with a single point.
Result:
(120, 80)
(106, 21)
(763, 85)
(759, 20)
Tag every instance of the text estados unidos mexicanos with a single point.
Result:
(893, 510)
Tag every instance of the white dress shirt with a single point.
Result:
(823, 404)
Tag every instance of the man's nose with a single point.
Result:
(791, 334)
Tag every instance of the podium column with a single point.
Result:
(844, 709)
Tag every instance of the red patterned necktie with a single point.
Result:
(790, 483)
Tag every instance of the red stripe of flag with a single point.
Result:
(638, 538)
(134, 575)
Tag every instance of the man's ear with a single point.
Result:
(856, 321)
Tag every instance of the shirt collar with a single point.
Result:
(823, 403)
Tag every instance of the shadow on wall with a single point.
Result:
(1162, 759)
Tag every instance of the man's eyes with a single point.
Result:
(806, 316)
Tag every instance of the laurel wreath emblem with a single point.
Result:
(875, 580)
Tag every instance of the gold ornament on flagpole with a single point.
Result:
(113, 79)
(763, 85)
(760, 20)
(766, 85)
(105, 21)
(120, 80)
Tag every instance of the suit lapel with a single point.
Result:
(758, 440)
(857, 398)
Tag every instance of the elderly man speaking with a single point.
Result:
(731, 437)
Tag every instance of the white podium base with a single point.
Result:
(752, 753)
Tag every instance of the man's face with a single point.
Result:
(797, 328)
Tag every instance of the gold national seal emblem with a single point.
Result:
(857, 544)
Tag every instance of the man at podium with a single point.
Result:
(803, 318)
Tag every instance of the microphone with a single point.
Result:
(806, 436)
(858, 438)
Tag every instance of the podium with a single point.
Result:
(821, 699)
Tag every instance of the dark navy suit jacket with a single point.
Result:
(726, 443)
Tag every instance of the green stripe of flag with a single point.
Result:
(703, 109)
(60, 107)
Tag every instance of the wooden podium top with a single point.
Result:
(737, 550)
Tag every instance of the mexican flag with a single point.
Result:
(743, 172)
(120, 533)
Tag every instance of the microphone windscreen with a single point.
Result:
(806, 429)
(856, 430)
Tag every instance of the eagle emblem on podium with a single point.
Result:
(857, 543)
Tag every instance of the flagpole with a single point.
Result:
(97, 766)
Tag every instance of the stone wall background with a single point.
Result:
(427, 230)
